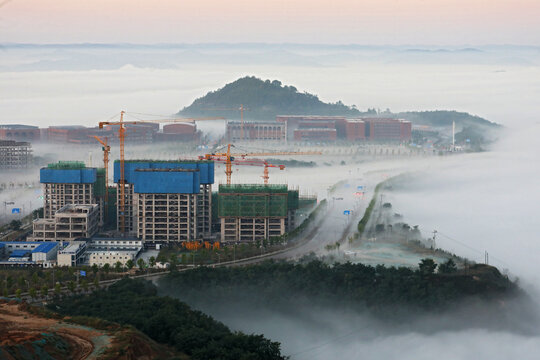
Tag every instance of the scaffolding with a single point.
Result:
(253, 200)
(15, 155)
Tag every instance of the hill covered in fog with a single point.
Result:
(265, 99)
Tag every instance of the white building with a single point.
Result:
(103, 251)
(72, 255)
(45, 252)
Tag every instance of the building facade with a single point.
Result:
(15, 154)
(167, 201)
(255, 130)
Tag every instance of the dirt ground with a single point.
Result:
(20, 328)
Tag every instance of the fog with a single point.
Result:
(85, 84)
(488, 201)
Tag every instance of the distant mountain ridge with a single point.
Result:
(265, 99)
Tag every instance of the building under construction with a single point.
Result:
(15, 154)
(255, 212)
(69, 223)
(166, 201)
(71, 182)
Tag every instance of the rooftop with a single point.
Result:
(17, 126)
(73, 247)
(45, 247)
(18, 253)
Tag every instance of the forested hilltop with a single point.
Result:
(265, 99)
(392, 295)
(168, 321)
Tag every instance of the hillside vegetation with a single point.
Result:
(265, 99)
(389, 294)
(169, 321)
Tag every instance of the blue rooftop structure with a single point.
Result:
(67, 176)
(166, 181)
(45, 247)
(205, 168)
(18, 253)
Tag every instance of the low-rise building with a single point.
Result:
(103, 251)
(72, 255)
(69, 223)
(45, 252)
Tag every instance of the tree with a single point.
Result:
(18, 293)
(427, 266)
(152, 261)
(96, 282)
(118, 266)
(448, 267)
(57, 289)
(33, 292)
(173, 261)
(106, 268)
(71, 286)
(15, 225)
(5, 292)
(141, 263)
(130, 264)
(95, 269)
(44, 290)
(84, 284)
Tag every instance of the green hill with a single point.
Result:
(265, 99)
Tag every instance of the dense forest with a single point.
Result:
(265, 99)
(381, 290)
(168, 321)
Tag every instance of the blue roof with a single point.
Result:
(18, 242)
(162, 181)
(2, 245)
(68, 176)
(45, 247)
(206, 169)
(18, 253)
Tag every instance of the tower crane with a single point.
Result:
(106, 151)
(228, 157)
(266, 164)
(122, 137)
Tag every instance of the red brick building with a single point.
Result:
(20, 133)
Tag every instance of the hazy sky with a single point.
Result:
(440, 22)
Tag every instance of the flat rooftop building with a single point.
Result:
(256, 130)
(72, 255)
(69, 223)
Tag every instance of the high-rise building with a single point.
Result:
(167, 200)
